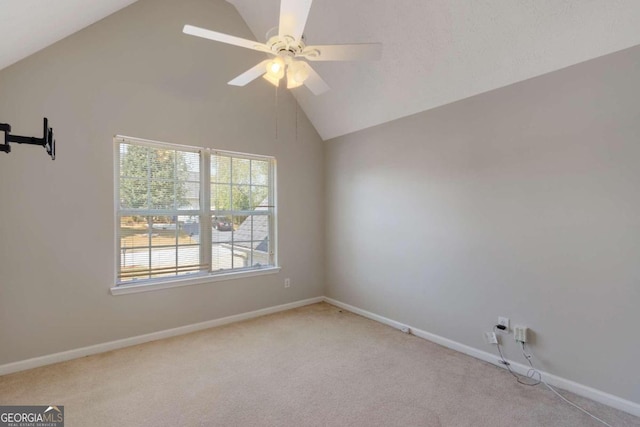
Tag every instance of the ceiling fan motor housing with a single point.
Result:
(285, 46)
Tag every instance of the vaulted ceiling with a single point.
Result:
(434, 52)
(26, 26)
(439, 51)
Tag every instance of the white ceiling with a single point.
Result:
(435, 51)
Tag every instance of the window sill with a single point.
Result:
(146, 287)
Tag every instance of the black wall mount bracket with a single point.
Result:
(47, 141)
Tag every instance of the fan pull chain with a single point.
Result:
(276, 113)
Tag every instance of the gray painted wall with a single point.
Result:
(136, 74)
(521, 202)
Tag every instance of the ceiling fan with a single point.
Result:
(290, 51)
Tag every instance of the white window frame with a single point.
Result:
(204, 213)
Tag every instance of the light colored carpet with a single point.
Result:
(313, 366)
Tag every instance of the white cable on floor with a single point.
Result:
(528, 357)
(576, 406)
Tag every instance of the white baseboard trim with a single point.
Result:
(140, 339)
(554, 380)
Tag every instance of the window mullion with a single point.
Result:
(149, 204)
(205, 209)
(150, 218)
(176, 207)
(273, 224)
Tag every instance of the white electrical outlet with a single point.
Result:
(520, 333)
(504, 321)
(287, 282)
(490, 338)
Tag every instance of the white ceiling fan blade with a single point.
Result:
(315, 83)
(343, 52)
(224, 38)
(251, 74)
(293, 17)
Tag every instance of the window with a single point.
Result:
(191, 212)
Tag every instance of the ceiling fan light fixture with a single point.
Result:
(297, 73)
(276, 68)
